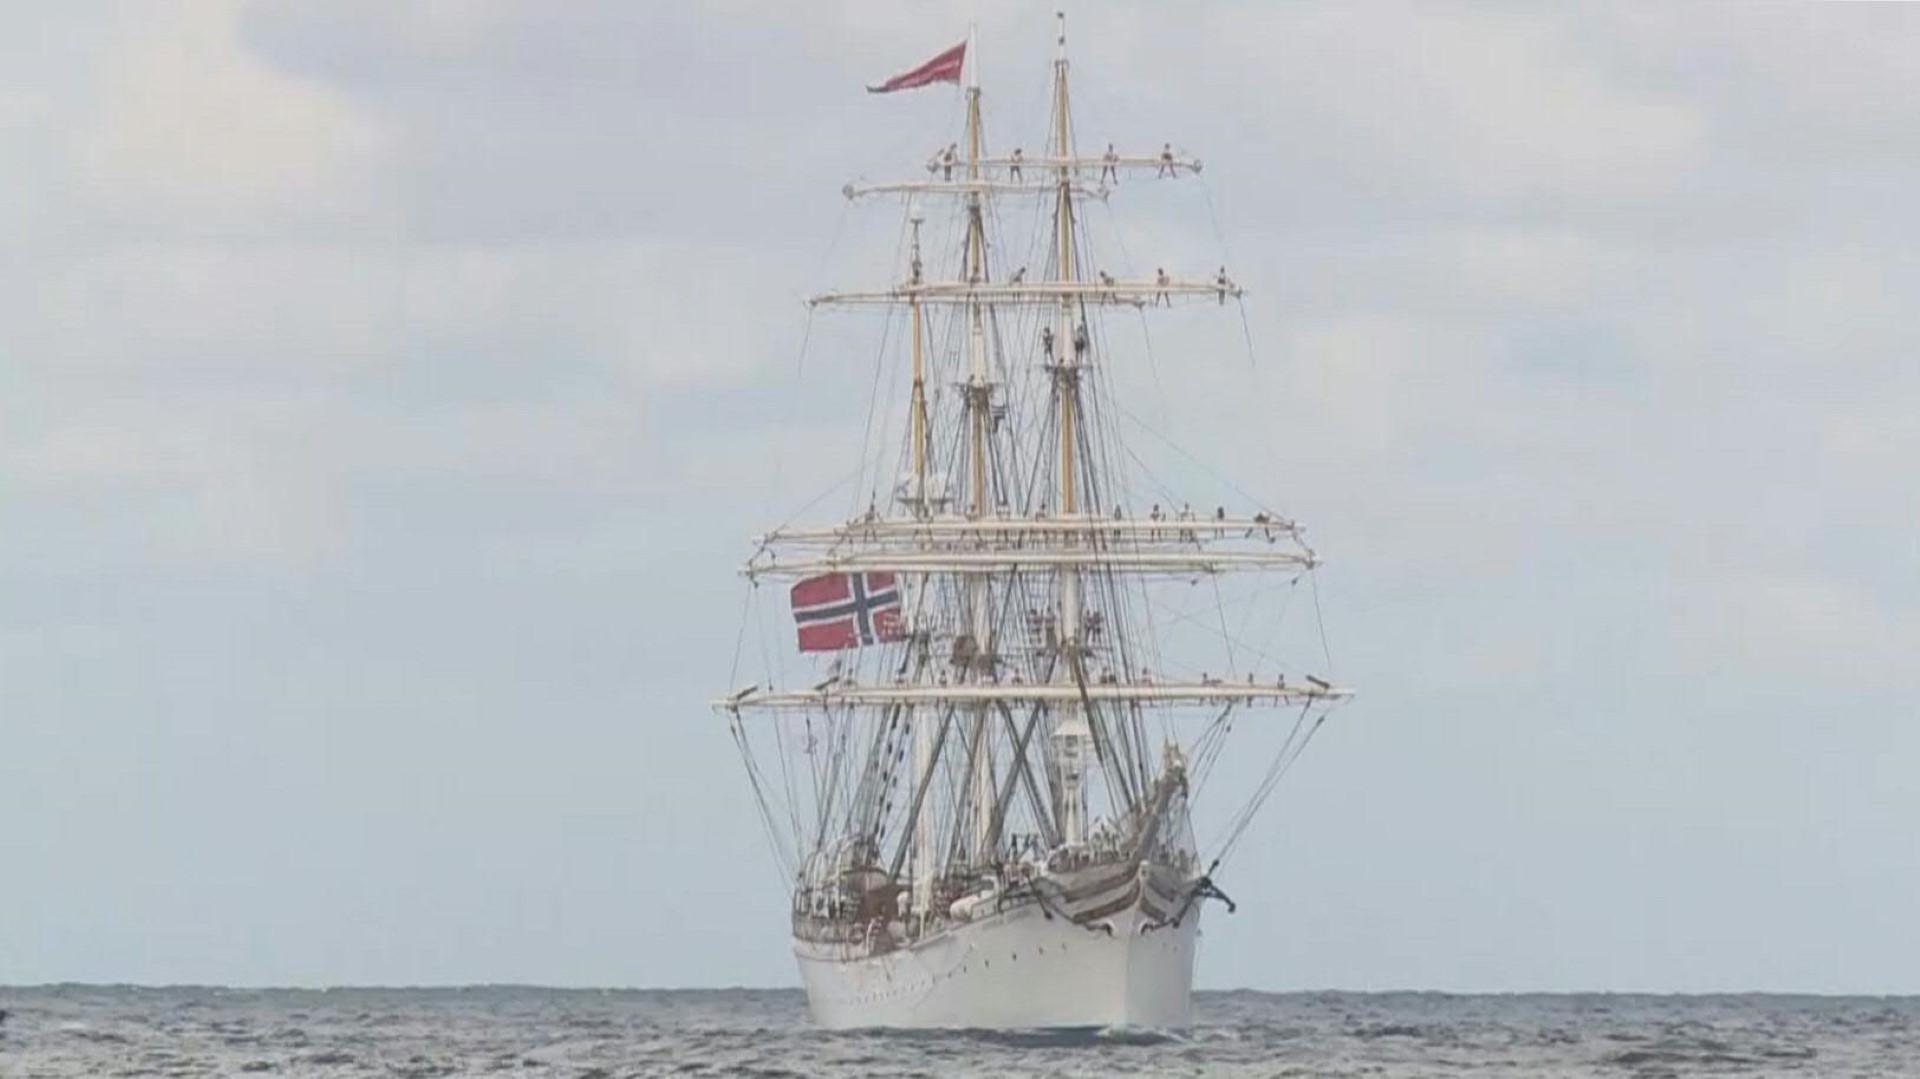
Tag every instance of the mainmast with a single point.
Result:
(975, 659)
(923, 738)
(980, 657)
(1072, 732)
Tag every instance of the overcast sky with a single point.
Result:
(388, 391)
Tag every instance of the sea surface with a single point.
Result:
(69, 1031)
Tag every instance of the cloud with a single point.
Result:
(1491, 105)
(190, 132)
(1794, 625)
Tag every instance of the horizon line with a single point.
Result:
(424, 987)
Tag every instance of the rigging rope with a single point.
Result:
(785, 861)
(1326, 651)
(1290, 751)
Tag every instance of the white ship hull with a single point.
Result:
(1020, 969)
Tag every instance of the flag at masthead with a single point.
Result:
(942, 68)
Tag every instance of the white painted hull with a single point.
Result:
(1019, 969)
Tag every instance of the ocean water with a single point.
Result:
(70, 1031)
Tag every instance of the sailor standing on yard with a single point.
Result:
(1014, 163)
(1166, 160)
(1110, 165)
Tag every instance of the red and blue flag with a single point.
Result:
(846, 610)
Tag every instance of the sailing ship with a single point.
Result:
(976, 767)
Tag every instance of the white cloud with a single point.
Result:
(1494, 104)
(1789, 625)
(662, 315)
(187, 127)
(185, 481)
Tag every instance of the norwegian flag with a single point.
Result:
(942, 68)
(846, 610)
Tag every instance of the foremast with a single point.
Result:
(1073, 730)
(980, 390)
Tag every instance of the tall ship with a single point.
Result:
(996, 690)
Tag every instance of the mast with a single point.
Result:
(1072, 731)
(919, 718)
(979, 405)
(968, 661)
(978, 385)
(1063, 223)
(919, 405)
